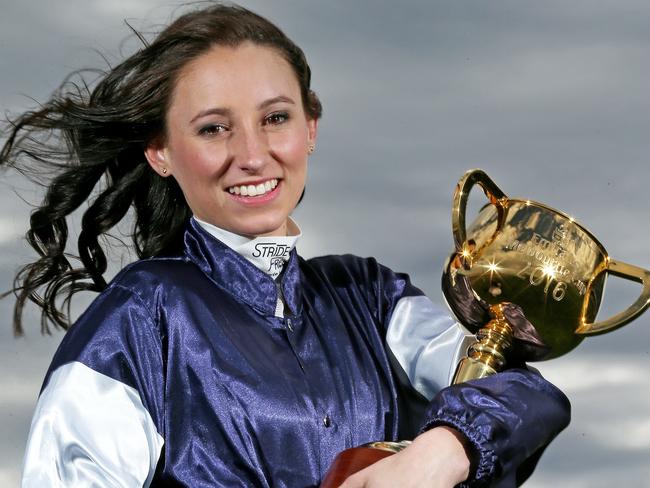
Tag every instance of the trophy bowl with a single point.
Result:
(527, 253)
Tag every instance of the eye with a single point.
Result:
(212, 129)
(276, 118)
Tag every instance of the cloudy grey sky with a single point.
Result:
(550, 98)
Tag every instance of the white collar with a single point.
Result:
(268, 254)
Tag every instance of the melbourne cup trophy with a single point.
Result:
(528, 280)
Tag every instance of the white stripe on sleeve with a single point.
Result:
(90, 430)
(427, 343)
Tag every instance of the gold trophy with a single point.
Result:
(542, 260)
(524, 253)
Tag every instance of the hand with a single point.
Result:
(437, 458)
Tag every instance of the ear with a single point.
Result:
(157, 157)
(312, 131)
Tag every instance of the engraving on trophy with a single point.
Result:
(552, 265)
(560, 233)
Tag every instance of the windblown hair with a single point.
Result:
(92, 141)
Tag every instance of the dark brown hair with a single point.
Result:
(92, 142)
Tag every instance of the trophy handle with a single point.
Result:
(629, 272)
(461, 195)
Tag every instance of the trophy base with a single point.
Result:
(355, 459)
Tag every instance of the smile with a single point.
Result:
(254, 190)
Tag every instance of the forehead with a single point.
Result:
(226, 76)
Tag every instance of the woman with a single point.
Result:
(221, 358)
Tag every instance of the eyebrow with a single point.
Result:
(211, 111)
(226, 111)
(271, 101)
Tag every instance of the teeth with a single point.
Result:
(254, 190)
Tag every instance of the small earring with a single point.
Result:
(164, 171)
(310, 148)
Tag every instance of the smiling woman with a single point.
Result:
(220, 357)
(237, 139)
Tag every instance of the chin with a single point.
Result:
(263, 227)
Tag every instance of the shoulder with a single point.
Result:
(343, 269)
(361, 272)
(341, 263)
(128, 310)
(367, 267)
(162, 270)
(147, 278)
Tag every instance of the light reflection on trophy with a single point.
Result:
(526, 253)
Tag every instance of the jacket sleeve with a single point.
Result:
(98, 418)
(508, 418)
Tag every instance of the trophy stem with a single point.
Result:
(487, 355)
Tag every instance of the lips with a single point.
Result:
(254, 190)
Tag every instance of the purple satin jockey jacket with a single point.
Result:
(180, 374)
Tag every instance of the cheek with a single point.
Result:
(292, 149)
(198, 162)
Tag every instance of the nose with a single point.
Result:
(250, 149)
